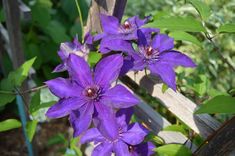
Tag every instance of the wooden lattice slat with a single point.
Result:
(178, 104)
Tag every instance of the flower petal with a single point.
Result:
(123, 117)
(166, 72)
(109, 24)
(105, 121)
(120, 97)
(115, 45)
(107, 70)
(144, 149)
(60, 68)
(162, 42)
(63, 88)
(64, 107)
(90, 135)
(79, 70)
(128, 64)
(88, 38)
(103, 149)
(81, 119)
(177, 59)
(121, 149)
(135, 134)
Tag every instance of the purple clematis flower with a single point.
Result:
(88, 94)
(112, 29)
(157, 55)
(74, 47)
(127, 140)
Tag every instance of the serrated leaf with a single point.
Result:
(218, 104)
(35, 102)
(31, 129)
(93, 58)
(184, 36)
(173, 150)
(201, 7)
(188, 24)
(226, 28)
(9, 124)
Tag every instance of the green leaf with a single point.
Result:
(31, 129)
(74, 146)
(69, 7)
(9, 124)
(35, 102)
(176, 128)
(178, 23)
(226, 28)
(93, 58)
(155, 139)
(218, 104)
(164, 88)
(57, 32)
(202, 8)
(6, 98)
(41, 13)
(19, 75)
(202, 86)
(57, 139)
(184, 36)
(173, 150)
(2, 15)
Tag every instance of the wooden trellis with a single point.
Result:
(220, 140)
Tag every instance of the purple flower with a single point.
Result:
(88, 94)
(157, 55)
(74, 47)
(127, 140)
(114, 30)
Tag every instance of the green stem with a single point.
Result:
(23, 92)
(7, 92)
(80, 17)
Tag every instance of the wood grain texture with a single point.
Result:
(108, 7)
(178, 104)
(12, 13)
(221, 143)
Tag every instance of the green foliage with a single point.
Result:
(2, 16)
(202, 8)
(35, 102)
(227, 28)
(9, 124)
(184, 36)
(57, 139)
(155, 139)
(93, 58)
(176, 128)
(188, 24)
(14, 79)
(31, 129)
(173, 150)
(218, 104)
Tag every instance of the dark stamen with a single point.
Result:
(126, 25)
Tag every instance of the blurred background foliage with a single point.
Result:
(56, 21)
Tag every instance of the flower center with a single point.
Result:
(149, 51)
(126, 25)
(93, 92)
(131, 148)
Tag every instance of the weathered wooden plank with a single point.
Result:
(222, 142)
(177, 138)
(12, 13)
(178, 104)
(108, 7)
(25, 11)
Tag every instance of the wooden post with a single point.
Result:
(222, 142)
(108, 7)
